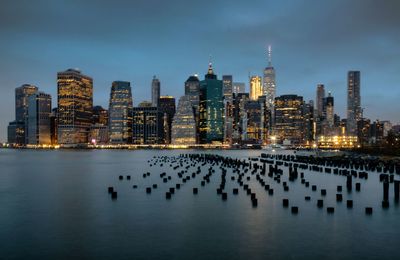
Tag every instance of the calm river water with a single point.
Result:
(55, 205)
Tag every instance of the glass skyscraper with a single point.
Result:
(269, 85)
(17, 130)
(184, 124)
(211, 109)
(120, 113)
(75, 104)
(255, 88)
(354, 112)
(166, 105)
(155, 91)
(289, 119)
(38, 119)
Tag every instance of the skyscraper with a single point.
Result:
(329, 110)
(147, 125)
(320, 100)
(155, 91)
(17, 129)
(99, 128)
(269, 85)
(21, 101)
(75, 104)
(120, 109)
(289, 119)
(184, 124)
(192, 90)
(211, 109)
(38, 119)
(354, 112)
(255, 88)
(227, 87)
(166, 105)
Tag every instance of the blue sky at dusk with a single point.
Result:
(313, 42)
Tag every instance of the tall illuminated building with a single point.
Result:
(75, 104)
(354, 112)
(99, 128)
(211, 109)
(17, 128)
(289, 119)
(120, 109)
(184, 124)
(256, 89)
(329, 110)
(155, 91)
(227, 88)
(166, 105)
(269, 84)
(147, 125)
(320, 100)
(192, 90)
(38, 119)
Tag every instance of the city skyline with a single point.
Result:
(299, 65)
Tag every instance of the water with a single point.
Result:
(55, 205)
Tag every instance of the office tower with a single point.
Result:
(16, 133)
(265, 119)
(38, 119)
(329, 110)
(310, 126)
(289, 119)
(269, 85)
(100, 115)
(227, 85)
(254, 127)
(211, 109)
(75, 104)
(99, 128)
(238, 87)
(120, 109)
(320, 100)
(145, 103)
(255, 88)
(21, 101)
(17, 129)
(354, 112)
(147, 126)
(192, 90)
(239, 117)
(155, 91)
(166, 105)
(184, 123)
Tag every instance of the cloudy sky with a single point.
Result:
(313, 42)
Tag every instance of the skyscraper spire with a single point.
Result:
(269, 56)
(210, 69)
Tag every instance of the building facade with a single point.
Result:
(227, 87)
(269, 84)
(184, 123)
(38, 119)
(17, 129)
(256, 89)
(289, 119)
(211, 109)
(147, 126)
(166, 105)
(354, 112)
(155, 91)
(75, 104)
(120, 113)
